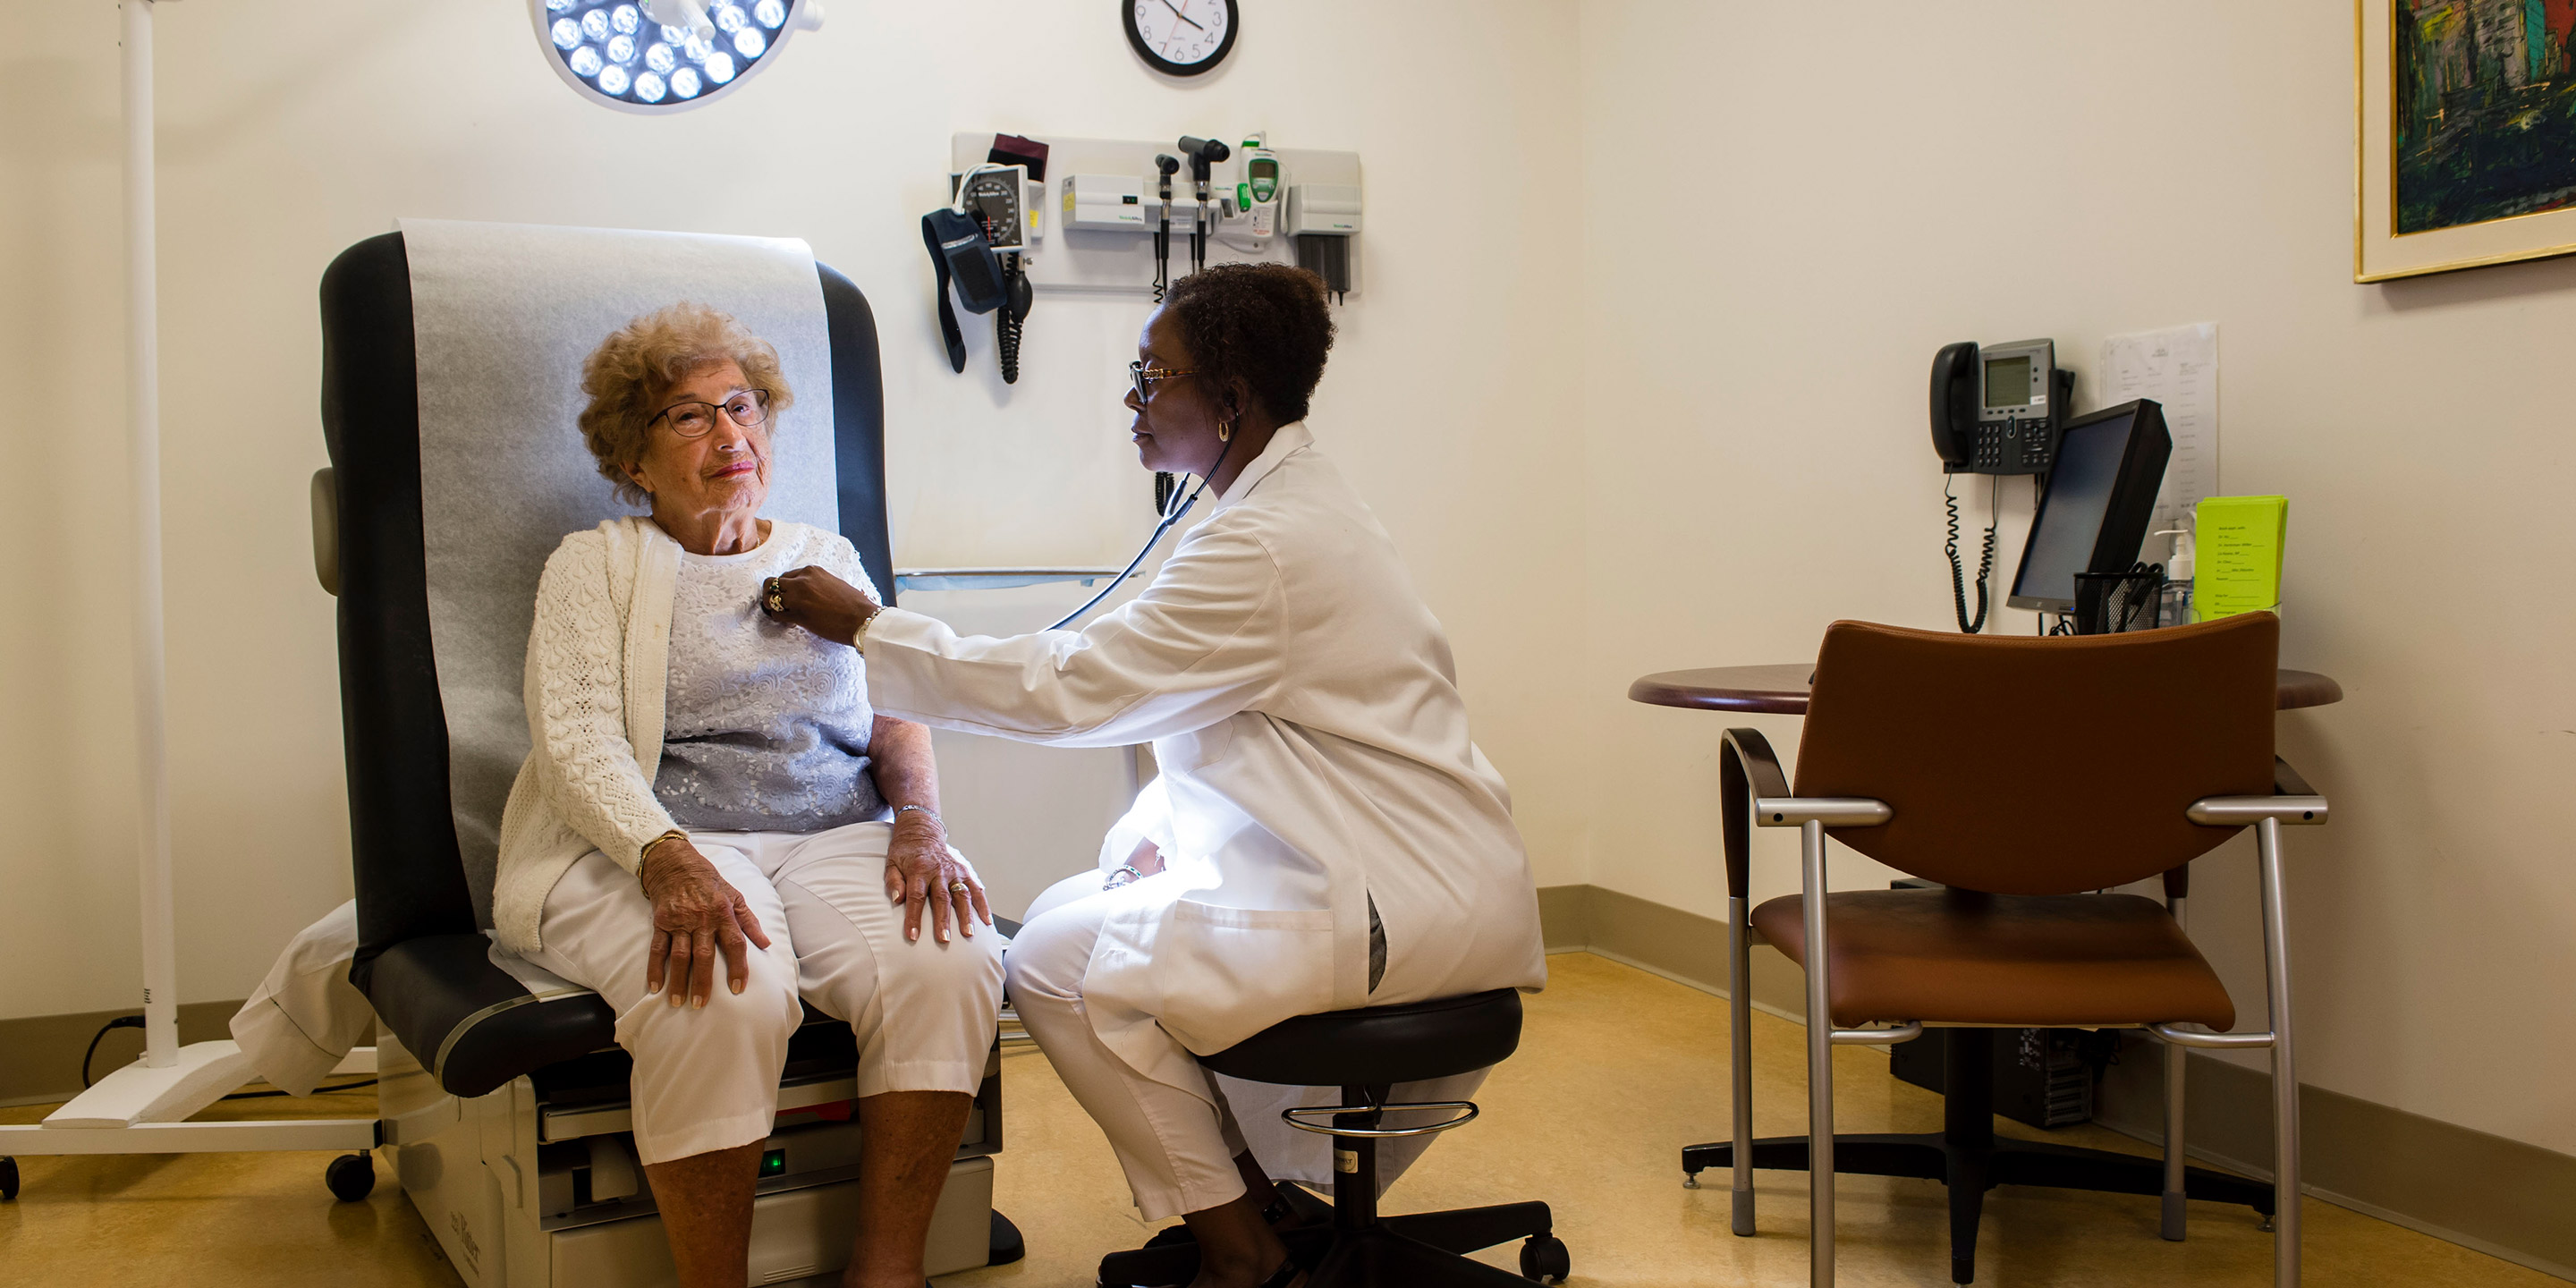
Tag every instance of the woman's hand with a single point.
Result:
(922, 871)
(819, 602)
(1145, 862)
(696, 915)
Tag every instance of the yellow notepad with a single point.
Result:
(2239, 540)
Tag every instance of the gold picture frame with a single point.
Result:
(2477, 80)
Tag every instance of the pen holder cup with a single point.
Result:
(2107, 603)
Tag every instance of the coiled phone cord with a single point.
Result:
(1169, 518)
(1985, 564)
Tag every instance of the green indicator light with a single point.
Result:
(774, 1163)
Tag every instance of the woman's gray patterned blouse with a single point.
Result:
(765, 727)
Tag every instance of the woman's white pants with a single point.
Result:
(1177, 1145)
(707, 1079)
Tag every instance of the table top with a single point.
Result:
(1781, 688)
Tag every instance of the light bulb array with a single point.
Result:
(614, 48)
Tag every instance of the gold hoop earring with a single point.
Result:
(1225, 432)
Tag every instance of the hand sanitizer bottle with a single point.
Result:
(2175, 608)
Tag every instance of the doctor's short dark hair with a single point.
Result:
(1265, 325)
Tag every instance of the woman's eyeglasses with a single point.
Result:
(1145, 376)
(749, 409)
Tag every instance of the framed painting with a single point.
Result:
(2466, 126)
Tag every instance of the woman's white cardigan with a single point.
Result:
(598, 662)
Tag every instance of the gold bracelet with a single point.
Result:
(859, 638)
(640, 855)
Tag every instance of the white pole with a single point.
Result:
(143, 448)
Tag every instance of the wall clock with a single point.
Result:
(1181, 37)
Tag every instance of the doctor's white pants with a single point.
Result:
(707, 1079)
(1177, 1145)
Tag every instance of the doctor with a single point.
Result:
(1323, 835)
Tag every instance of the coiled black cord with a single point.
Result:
(1007, 319)
(1985, 564)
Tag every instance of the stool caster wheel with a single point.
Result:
(8, 1178)
(351, 1176)
(1545, 1260)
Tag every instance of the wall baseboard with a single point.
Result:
(43, 1061)
(2498, 1196)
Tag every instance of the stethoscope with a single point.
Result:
(1170, 517)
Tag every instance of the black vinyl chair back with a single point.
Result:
(410, 879)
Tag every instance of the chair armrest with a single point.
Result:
(1752, 789)
(1745, 769)
(1832, 811)
(2292, 802)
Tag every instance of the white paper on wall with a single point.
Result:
(2178, 367)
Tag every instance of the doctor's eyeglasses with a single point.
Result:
(1145, 376)
(749, 409)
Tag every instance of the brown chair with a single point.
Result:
(2024, 775)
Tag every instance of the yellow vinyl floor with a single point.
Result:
(1617, 1070)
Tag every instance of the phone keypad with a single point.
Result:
(2012, 446)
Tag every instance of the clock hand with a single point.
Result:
(1176, 12)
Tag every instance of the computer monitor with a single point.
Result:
(2094, 512)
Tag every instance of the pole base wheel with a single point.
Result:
(352, 1177)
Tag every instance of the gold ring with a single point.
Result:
(958, 887)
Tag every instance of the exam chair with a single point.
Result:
(503, 1100)
(2126, 756)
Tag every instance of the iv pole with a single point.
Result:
(139, 1109)
(143, 450)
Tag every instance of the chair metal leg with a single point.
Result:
(1820, 1066)
(2285, 1077)
(2175, 1213)
(1739, 1020)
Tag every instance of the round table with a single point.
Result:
(1781, 688)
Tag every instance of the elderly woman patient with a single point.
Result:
(713, 823)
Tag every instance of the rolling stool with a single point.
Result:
(1365, 1052)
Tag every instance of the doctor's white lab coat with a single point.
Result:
(1314, 759)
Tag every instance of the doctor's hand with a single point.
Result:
(818, 601)
(696, 915)
(922, 872)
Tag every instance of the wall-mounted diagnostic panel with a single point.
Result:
(1130, 216)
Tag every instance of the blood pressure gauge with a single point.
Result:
(997, 198)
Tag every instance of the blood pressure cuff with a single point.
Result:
(960, 252)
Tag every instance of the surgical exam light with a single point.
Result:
(665, 55)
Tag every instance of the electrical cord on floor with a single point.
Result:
(120, 1022)
(136, 1022)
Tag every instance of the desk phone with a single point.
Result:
(1999, 409)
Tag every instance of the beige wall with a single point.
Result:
(1759, 464)
(289, 131)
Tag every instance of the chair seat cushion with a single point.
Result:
(469, 1022)
(1380, 1045)
(1960, 957)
